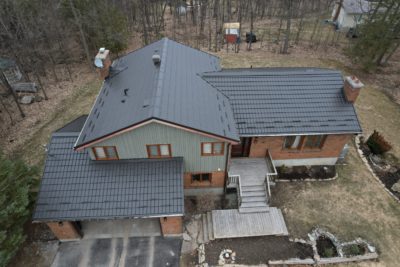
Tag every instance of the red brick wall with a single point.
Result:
(350, 93)
(217, 180)
(171, 225)
(332, 147)
(65, 230)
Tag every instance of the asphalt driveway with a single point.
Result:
(121, 252)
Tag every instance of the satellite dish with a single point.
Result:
(98, 63)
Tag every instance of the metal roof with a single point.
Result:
(74, 126)
(286, 101)
(356, 6)
(74, 187)
(139, 90)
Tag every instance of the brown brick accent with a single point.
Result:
(65, 230)
(350, 93)
(171, 225)
(332, 147)
(217, 180)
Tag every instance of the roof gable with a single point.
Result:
(172, 91)
(286, 101)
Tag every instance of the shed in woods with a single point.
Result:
(10, 70)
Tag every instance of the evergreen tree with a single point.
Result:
(16, 179)
(379, 35)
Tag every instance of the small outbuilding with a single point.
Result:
(347, 14)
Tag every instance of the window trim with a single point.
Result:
(159, 151)
(105, 153)
(201, 178)
(212, 149)
(302, 144)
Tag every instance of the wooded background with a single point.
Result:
(49, 38)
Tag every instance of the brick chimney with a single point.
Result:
(103, 62)
(352, 87)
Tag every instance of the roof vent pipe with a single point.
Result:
(156, 59)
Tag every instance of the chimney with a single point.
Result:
(103, 62)
(156, 59)
(352, 87)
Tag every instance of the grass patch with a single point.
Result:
(79, 103)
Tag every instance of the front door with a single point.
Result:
(242, 149)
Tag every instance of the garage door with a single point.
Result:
(121, 228)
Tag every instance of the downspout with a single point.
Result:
(228, 151)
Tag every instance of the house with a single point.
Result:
(347, 14)
(168, 122)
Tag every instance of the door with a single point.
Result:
(242, 149)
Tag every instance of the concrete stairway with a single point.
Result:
(254, 198)
(207, 231)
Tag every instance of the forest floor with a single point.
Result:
(353, 205)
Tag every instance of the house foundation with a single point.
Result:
(171, 226)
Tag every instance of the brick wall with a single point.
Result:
(332, 147)
(65, 230)
(217, 180)
(171, 225)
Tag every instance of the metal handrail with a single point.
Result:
(268, 186)
(239, 186)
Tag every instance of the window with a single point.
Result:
(212, 149)
(201, 177)
(159, 151)
(314, 141)
(293, 142)
(105, 152)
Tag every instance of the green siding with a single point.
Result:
(184, 144)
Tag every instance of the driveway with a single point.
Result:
(121, 252)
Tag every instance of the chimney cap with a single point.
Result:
(156, 59)
(354, 82)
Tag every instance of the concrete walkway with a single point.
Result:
(121, 252)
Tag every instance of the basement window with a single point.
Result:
(212, 149)
(159, 151)
(105, 152)
(201, 178)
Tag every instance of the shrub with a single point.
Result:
(353, 250)
(377, 143)
(328, 253)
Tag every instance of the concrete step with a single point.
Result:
(249, 188)
(254, 199)
(283, 224)
(254, 193)
(254, 204)
(205, 228)
(210, 226)
(253, 209)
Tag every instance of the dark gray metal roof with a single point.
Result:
(74, 126)
(73, 187)
(139, 90)
(285, 101)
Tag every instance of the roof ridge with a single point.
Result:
(155, 111)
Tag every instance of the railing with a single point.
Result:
(267, 183)
(235, 179)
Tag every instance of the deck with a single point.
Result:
(231, 223)
(251, 170)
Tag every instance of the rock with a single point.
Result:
(38, 98)
(27, 99)
(221, 262)
(396, 187)
(193, 229)
(186, 237)
(188, 247)
(197, 216)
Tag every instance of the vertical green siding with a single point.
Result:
(183, 144)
